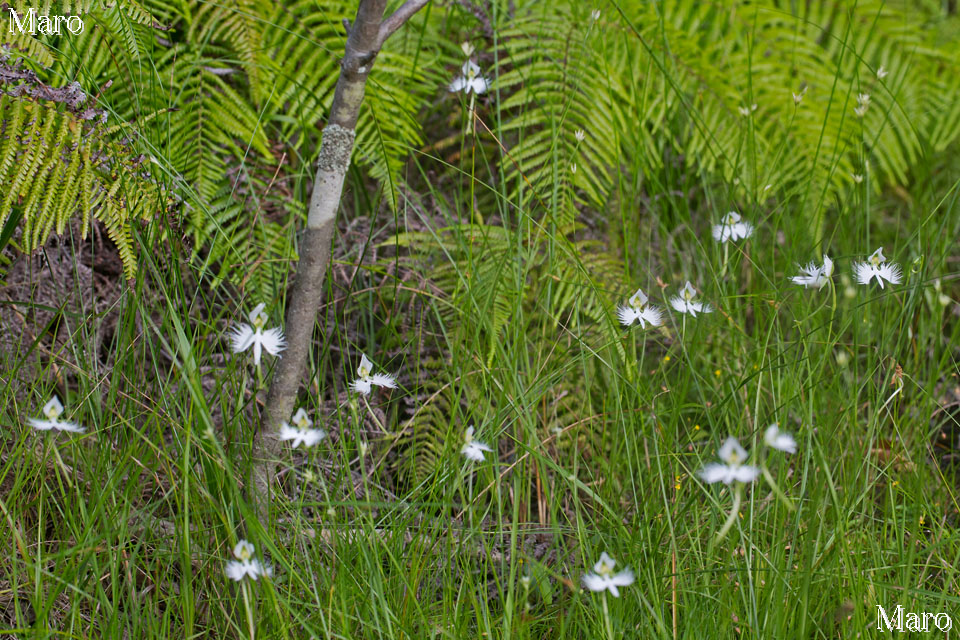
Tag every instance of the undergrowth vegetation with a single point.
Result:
(154, 172)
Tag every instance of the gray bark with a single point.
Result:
(364, 41)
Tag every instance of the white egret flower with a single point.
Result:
(473, 449)
(603, 578)
(814, 276)
(685, 303)
(733, 455)
(730, 228)
(779, 440)
(595, 15)
(637, 309)
(579, 135)
(367, 379)
(746, 111)
(470, 79)
(876, 267)
(245, 564)
(245, 336)
(863, 101)
(798, 97)
(52, 410)
(857, 177)
(301, 433)
(882, 72)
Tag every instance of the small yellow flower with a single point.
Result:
(717, 373)
(666, 358)
(696, 427)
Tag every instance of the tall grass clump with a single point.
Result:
(641, 321)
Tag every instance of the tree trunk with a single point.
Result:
(364, 40)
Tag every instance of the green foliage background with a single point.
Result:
(481, 252)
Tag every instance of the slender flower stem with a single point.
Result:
(470, 113)
(775, 488)
(373, 415)
(734, 510)
(606, 616)
(244, 588)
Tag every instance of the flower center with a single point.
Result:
(245, 553)
(730, 220)
(875, 261)
(605, 569)
(259, 321)
(687, 295)
(52, 413)
(364, 372)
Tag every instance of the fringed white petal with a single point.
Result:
(361, 385)
(273, 341)
(745, 473)
(383, 380)
(715, 472)
(241, 338)
(627, 315)
(653, 315)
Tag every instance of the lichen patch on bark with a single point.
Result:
(336, 147)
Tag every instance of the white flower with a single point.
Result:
(473, 449)
(467, 48)
(882, 72)
(595, 15)
(779, 440)
(470, 79)
(603, 578)
(301, 433)
(245, 564)
(876, 267)
(685, 303)
(637, 309)
(798, 97)
(857, 177)
(814, 276)
(863, 101)
(52, 410)
(366, 380)
(730, 228)
(244, 336)
(732, 454)
(579, 135)
(746, 111)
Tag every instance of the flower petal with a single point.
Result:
(41, 425)
(383, 380)
(627, 315)
(593, 582)
(745, 473)
(731, 452)
(361, 385)
(653, 315)
(891, 272)
(715, 472)
(623, 579)
(241, 338)
(273, 341)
